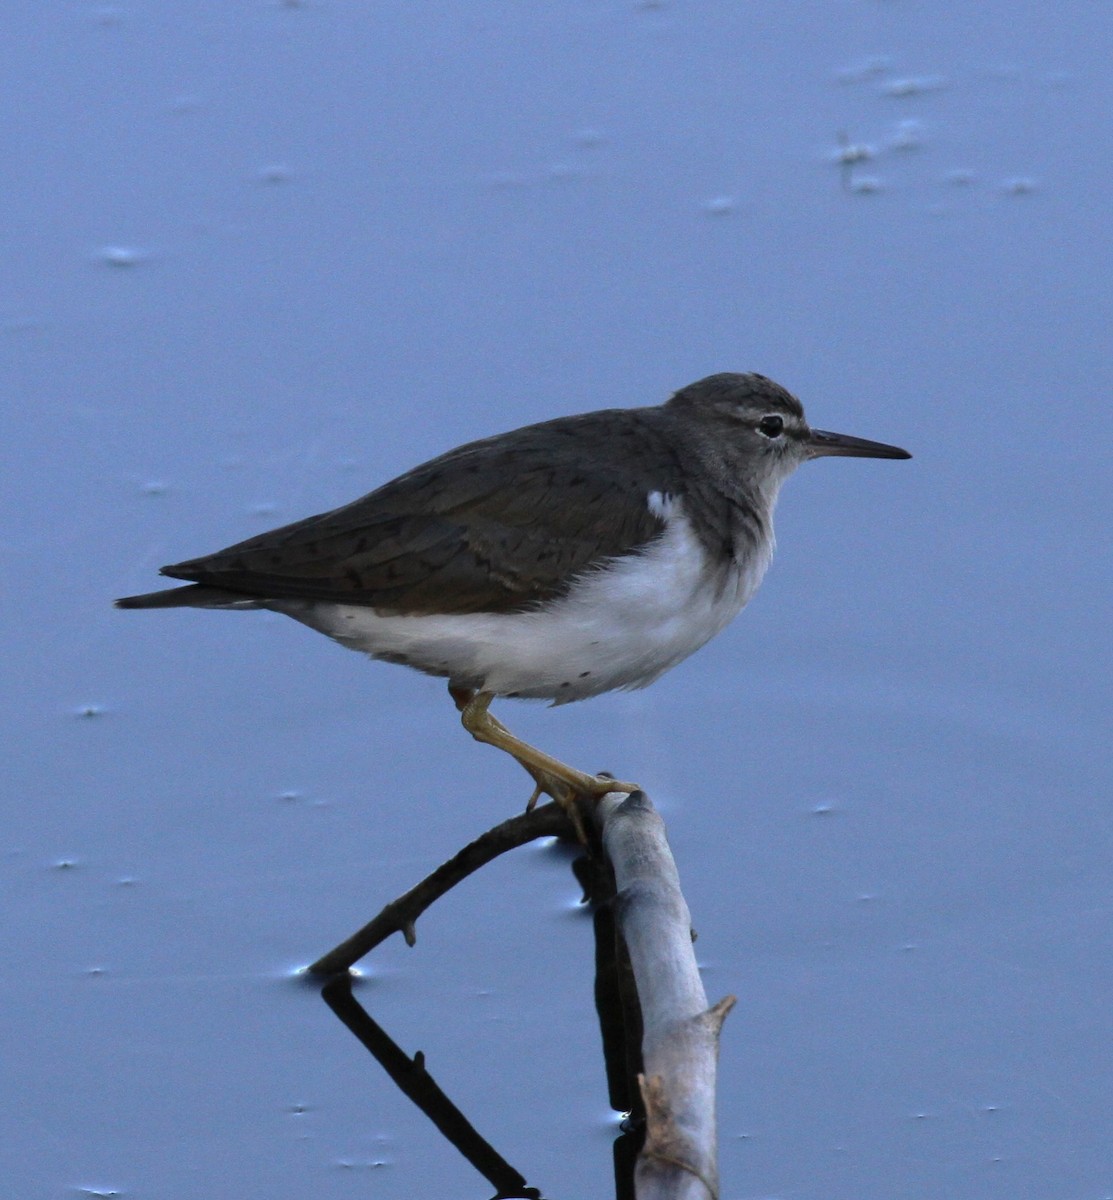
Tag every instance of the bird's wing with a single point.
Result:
(485, 528)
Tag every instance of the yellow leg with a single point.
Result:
(551, 776)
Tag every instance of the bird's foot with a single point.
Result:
(575, 802)
(568, 801)
(551, 777)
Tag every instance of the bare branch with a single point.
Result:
(549, 820)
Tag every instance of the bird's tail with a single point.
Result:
(195, 595)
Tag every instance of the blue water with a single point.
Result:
(257, 259)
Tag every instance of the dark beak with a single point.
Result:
(820, 444)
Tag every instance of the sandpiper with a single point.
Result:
(555, 562)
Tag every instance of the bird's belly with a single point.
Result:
(619, 626)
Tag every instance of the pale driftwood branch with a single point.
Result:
(681, 1040)
(399, 916)
(681, 1034)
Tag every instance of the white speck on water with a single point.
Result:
(825, 808)
(914, 86)
(866, 69)
(275, 173)
(1021, 185)
(65, 864)
(121, 256)
(908, 135)
(88, 711)
(588, 139)
(542, 845)
(849, 153)
(720, 206)
(154, 487)
(866, 185)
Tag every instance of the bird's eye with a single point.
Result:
(771, 426)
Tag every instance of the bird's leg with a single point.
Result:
(551, 776)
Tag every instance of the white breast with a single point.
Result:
(620, 626)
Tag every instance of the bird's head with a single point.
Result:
(759, 428)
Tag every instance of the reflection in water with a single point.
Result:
(411, 1077)
(620, 1026)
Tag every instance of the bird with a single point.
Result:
(558, 561)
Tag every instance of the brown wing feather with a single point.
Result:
(485, 528)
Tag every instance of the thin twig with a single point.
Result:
(399, 916)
